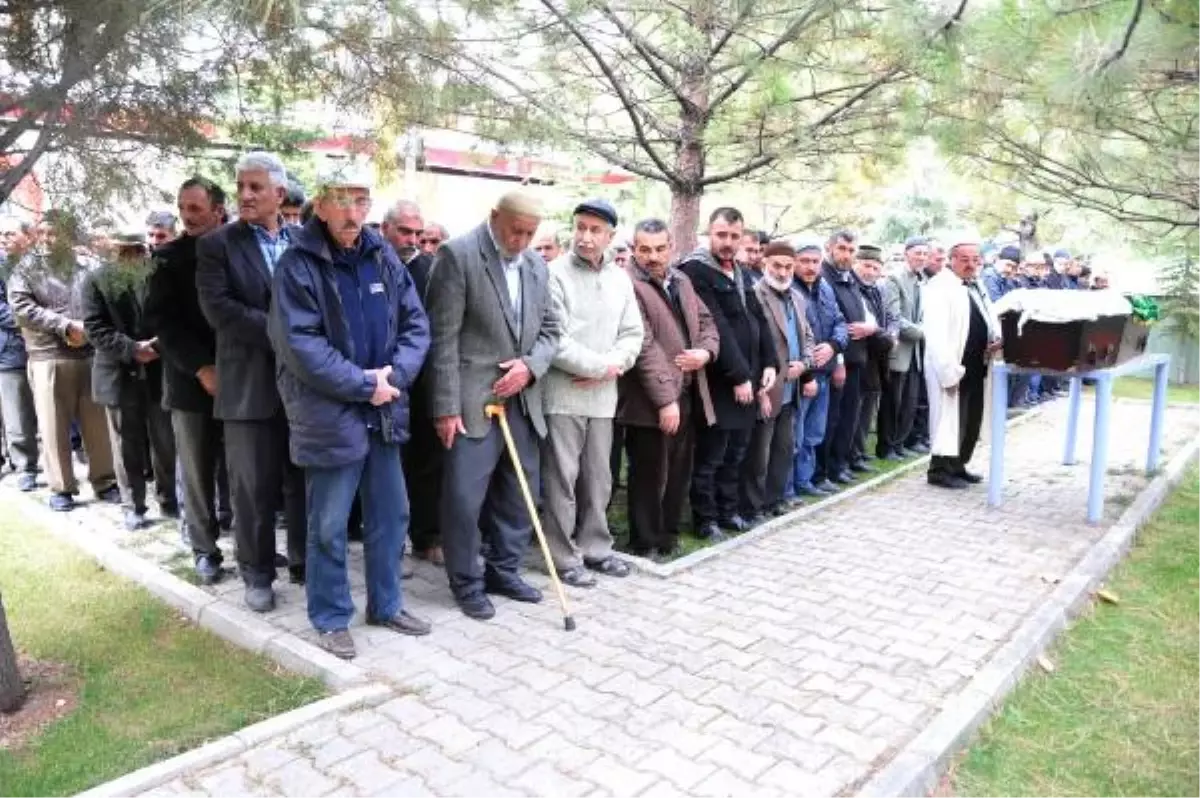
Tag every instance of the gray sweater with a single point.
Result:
(602, 327)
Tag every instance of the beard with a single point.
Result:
(779, 285)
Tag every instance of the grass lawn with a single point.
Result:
(150, 685)
(1143, 388)
(618, 517)
(1119, 716)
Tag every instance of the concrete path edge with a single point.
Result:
(916, 769)
(238, 626)
(162, 772)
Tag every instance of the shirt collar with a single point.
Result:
(281, 233)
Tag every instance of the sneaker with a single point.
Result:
(134, 520)
(27, 483)
(110, 495)
(339, 643)
(62, 502)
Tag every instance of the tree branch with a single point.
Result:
(1117, 54)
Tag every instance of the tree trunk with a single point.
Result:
(12, 689)
(685, 219)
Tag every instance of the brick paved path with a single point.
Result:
(796, 664)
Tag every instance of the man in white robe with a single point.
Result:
(961, 334)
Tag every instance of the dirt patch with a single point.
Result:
(52, 693)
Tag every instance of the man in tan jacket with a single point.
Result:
(665, 396)
(772, 446)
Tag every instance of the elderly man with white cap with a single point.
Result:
(350, 336)
(961, 333)
(495, 334)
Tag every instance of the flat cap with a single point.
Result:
(869, 252)
(598, 207)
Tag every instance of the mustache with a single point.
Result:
(348, 226)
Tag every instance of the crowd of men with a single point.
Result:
(300, 366)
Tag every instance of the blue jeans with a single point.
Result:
(810, 431)
(379, 480)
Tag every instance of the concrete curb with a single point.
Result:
(915, 770)
(161, 772)
(240, 627)
(686, 563)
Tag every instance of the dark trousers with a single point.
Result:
(256, 455)
(660, 468)
(617, 456)
(198, 446)
(841, 424)
(970, 420)
(482, 508)
(918, 433)
(868, 409)
(897, 409)
(20, 421)
(139, 426)
(422, 461)
(768, 466)
(719, 457)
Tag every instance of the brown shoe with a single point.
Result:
(432, 555)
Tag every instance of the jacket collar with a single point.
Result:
(313, 239)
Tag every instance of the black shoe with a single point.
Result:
(662, 556)
(476, 605)
(110, 495)
(862, 467)
(710, 531)
(404, 623)
(167, 510)
(577, 577)
(513, 587)
(734, 523)
(943, 480)
(225, 521)
(918, 447)
(777, 510)
(892, 457)
(844, 477)
(297, 574)
(609, 566)
(968, 477)
(208, 569)
(280, 561)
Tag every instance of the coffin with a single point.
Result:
(1069, 331)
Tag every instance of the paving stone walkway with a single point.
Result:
(797, 664)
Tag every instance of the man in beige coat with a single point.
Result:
(601, 338)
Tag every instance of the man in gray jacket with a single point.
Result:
(898, 403)
(601, 339)
(45, 294)
(494, 335)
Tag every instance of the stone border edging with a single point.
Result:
(160, 773)
(916, 769)
(237, 626)
(687, 562)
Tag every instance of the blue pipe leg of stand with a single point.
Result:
(999, 427)
(1099, 448)
(1072, 420)
(1157, 413)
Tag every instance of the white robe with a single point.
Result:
(946, 313)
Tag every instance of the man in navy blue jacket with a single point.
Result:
(350, 335)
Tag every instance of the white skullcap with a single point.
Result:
(345, 173)
(960, 238)
(802, 243)
(519, 204)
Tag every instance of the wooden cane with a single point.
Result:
(497, 411)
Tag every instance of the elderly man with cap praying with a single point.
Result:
(961, 333)
(495, 334)
(601, 338)
(350, 336)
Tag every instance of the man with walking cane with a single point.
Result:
(350, 336)
(494, 334)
